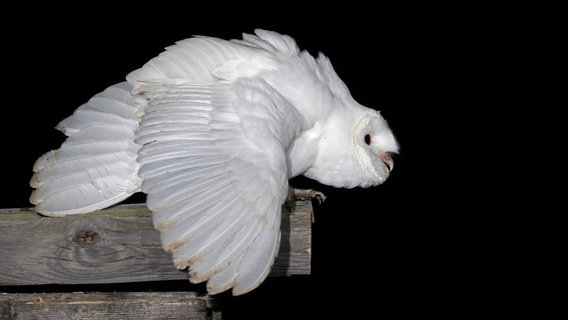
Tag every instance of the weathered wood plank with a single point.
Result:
(114, 305)
(115, 245)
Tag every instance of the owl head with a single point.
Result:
(355, 150)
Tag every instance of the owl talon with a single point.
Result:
(302, 195)
(309, 194)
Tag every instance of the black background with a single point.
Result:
(400, 247)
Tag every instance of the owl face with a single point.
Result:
(354, 150)
(374, 143)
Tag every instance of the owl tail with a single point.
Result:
(96, 166)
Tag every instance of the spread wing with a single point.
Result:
(96, 166)
(214, 167)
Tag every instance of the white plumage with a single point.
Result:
(211, 130)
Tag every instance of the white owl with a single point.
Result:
(212, 130)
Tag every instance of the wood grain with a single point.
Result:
(110, 305)
(116, 245)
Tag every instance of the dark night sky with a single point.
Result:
(388, 240)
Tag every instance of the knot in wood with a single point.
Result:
(85, 237)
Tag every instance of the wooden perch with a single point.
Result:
(110, 305)
(115, 245)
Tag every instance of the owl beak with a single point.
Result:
(386, 158)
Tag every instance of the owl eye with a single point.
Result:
(368, 139)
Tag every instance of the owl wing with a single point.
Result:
(214, 168)
(96, 165)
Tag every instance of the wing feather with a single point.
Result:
(223, 280)
(257, 261)
(210, 215)
(214, 236)
(194, 59)
(84, 197)
(230, 251)
(66, 180)
(215, 188)
(162, 182)
(165, 197)
(156, 167)
(173, 215)
(96, 165)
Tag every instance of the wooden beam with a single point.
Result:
(109, 305)
(115, 245)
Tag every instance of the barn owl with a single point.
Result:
(211, 130)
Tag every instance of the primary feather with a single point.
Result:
(211, 130)
(96, 166)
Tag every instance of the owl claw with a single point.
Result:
(302, 195)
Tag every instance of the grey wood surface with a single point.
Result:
(116, 245)
(109, 305)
